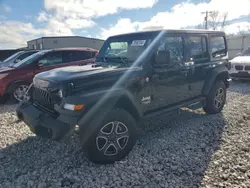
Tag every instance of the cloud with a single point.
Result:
(122, 26)
(5, 8)
(238, 27)
(15, 34)
(43, 17)
(78, 14)
(183, 15)
(79, 23)
(95, 8)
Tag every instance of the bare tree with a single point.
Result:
(217, 20)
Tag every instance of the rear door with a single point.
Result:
(196, 51)
(78, 57)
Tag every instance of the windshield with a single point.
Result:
(30, 59)
(127, 48)
(13, 56)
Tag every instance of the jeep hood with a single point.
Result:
(241, 60)
(86, 72)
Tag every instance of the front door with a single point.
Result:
(169, 82)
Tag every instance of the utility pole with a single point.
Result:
(206, 17)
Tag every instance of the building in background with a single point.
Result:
(64, 42)
(236, 44)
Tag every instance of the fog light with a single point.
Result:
(73, 107)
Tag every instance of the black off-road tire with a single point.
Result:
(98, 156)
(211, 106)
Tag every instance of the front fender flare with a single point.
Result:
(90, 121)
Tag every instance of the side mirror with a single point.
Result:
(17, 60)
(40, 64)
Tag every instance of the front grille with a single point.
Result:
(247, 67)
(238, 67)
(43, 98)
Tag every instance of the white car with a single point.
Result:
(240, 66)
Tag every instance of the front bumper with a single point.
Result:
(242, 76)
(43, 124)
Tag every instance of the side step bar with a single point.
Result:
(193, 105)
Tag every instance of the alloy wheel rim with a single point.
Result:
(112, 138)
(219, 98)
(20, 93)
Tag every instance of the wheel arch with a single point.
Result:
(11, 85)
(125, 101)
(220, 74)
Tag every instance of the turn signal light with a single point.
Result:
(73, 107)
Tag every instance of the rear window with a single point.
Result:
(71, 56)
(218, 46)
(82, 55)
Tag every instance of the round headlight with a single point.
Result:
(60, 93)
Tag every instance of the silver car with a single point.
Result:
(16, 57)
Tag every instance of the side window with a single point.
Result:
(197, 48)
(218, 46)
(68, 56)
(52, 58)
(25, 55)
(81, 55)
(171, 50)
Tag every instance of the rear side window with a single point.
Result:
(218, 46)
(82, 55)
(196, 47)
(71, 56)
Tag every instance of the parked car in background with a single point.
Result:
(16, 57)
(240, 66)
(15, 80)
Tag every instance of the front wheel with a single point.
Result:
(216, 98)
(19, 92)
(114, 138)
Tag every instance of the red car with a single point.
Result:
(15, 80)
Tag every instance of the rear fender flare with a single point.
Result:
(218, 73)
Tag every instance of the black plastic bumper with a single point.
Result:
(41, 123)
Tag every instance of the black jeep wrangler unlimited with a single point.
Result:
(135, 75)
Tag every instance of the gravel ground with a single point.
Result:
(190, 150)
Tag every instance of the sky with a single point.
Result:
(23, 20)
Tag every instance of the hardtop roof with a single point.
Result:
(172, 31)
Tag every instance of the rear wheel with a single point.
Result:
(114, 138)
(216, 98)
